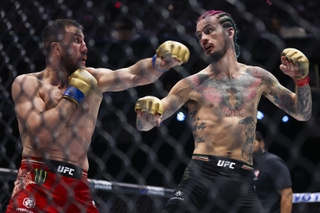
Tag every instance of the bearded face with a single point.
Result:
(216, 55)
(73, 52)
(68, 60)
(219, 53)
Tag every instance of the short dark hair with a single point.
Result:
(259, 136)
(226, 21)
(55, 30)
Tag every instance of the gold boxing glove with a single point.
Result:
(81, 82)
(175, 49)
(295, 56)
(150, 104)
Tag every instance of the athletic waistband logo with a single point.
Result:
(65, 170)
(225, 163)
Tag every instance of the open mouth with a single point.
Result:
(207, 48)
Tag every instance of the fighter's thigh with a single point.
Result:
(189, 196)
(253, 206)
(28, 201)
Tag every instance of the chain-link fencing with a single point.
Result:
(119, 33)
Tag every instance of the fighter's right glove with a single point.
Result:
(81, 82)
(149, 104)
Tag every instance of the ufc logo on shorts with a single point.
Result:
(65, 170)
(225, 163)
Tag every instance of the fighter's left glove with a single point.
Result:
(300, 70)
(81, 82)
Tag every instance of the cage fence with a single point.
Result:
(112, 196)
(133, 171)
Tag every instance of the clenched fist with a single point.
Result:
(170, 54)
(149, 110)
(175, 49)
(149, 104)
(294, 63)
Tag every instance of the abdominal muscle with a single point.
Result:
(63, 149)
(227, 139)
(71, 146)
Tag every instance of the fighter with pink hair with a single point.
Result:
(223, 103)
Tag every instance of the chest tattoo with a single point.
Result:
(231, 95)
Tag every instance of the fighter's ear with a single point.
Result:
(230, 32)
(55, 47)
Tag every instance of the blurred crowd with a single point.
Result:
(131, 19)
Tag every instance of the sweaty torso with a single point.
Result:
(223, 112)
(72, 144)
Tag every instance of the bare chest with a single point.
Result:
(50, 95)
(87, 110)
(234, 97)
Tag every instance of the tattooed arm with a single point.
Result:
(298, 104)
(151, 111)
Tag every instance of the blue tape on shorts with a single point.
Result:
(74, 93)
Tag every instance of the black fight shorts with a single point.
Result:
(213, 184)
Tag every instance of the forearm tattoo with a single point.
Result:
(304, 104)
(173, 107)
(301, 106)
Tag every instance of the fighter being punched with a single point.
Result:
(57, 111)
(222, 100)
